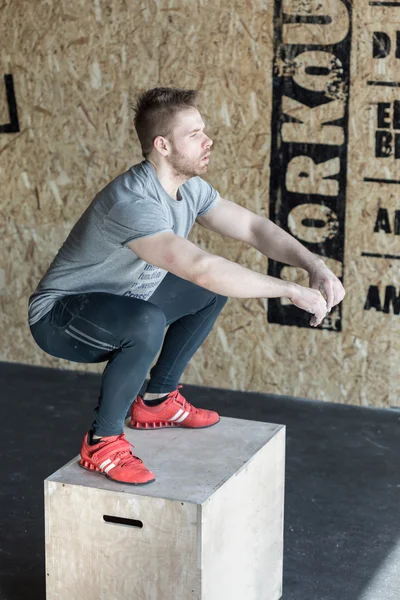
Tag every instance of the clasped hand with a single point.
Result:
(322, 279)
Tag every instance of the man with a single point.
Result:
(126, 271)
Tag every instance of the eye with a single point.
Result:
(193, 134)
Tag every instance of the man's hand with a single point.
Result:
(322, 279)
(309, 300)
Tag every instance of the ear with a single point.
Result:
(161, 144)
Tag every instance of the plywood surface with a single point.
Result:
(76, 68)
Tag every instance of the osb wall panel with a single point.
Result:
(302, 100)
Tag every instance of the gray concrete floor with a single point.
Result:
(342, 498)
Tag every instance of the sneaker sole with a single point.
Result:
(91, 467)
(165, 425)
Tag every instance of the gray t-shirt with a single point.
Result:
(95, 256)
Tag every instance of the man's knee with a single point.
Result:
(221, 300)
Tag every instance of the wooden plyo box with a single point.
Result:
(209, 528)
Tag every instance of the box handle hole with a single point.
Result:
(123, 521)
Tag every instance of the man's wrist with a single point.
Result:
(313, 262)
(289, 289)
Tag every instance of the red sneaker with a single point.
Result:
(113, 458)
(175, 411)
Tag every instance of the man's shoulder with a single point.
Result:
(195, 184)
(199, 188)
(196, 180)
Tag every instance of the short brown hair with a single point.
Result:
(155, 110)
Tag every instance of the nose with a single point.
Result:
(209, 142)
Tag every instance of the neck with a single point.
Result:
(169, 179)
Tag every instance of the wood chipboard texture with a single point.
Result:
(76, 69)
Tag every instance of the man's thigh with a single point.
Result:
(177, 297)
(88, 327)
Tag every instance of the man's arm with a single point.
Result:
(274, 242)
(217, 274)
(237, 222)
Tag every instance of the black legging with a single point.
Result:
(128, 333)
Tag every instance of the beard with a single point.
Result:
(186, 167)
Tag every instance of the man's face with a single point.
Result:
(190, 147)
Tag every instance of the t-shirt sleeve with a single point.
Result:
(208, 197)
(134, 218)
